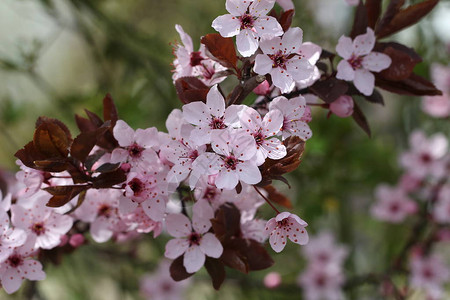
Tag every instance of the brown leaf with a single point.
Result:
(275, 196)
(235, 260)
(107, 180)
(285, 19)
(63, 194)
(257, 256)
(227, 222)
(329, 89)
(110, 110)
(191, 89)
(414, 85)
(373, 12)
(392, 10)
(360, 119)
(222, 49)
(54, 165)
(407, 17)
(178, 271)
(28, 154)
(84, 124)
(360, 21)
(85, 142)
(216, 271)
(404, 60)
(51, 139)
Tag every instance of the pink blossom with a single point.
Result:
(272, 280)
(139, 221)
(254, 230)
(439, 106)
(135, 146)
(209, 117)
(409, 183)
(194, 63)
(293, 111)
(233, 160)
(359, 61)
(262, 89)
(18, 266)
(192, 240)
(286, 4)
(392, 205)
(424, 152)
(441, 209)
(286, 225)
(77, 240)
(430, 274)
(264, 130)
(282, 61)
(323, 250)
(31, 178)
(310, 52)
(342, 106)
(248, 21)
(42, 222)
(322, 282)
(161, 286)
(9, 237)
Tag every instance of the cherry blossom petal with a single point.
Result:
(202, 215)
(194, 259)
(215, 102)
(123, 133)
(292, 40)
(176, 247)
(243, 146)
(267, 27)
(260, 9)
(247, 42)
(299, 69)
(146, 137)
(185, 38)
(227, 25)
(196, 113)
(119, 155)
(274, 148)
(126, 205)
(178, 225)
(286, 4)
(178, 173)
(363, 44)
(227, 179)
(101, 230)
(300, 129)
(263, 64)
(310, 51)
(271, 45)
(277, 240)
(344, 47)
(231, 116)
(272, 122)
(11, 280)
(236, 7)
(298, 234)
(376, 61)
(155, 208)
(345, 71)
(270, 225)
(282, 80)
(364, 81)
(249, 173)
(211, 246)
(32, 270)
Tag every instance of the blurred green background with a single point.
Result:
(59, 57)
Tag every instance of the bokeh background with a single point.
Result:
(59, 57)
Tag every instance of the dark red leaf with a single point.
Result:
(107, 167)
(275, 196)
(329, 89)
(191, 89)
(373, 12)
(404, 60)
(221, 49)
(392, 9)
(43, 119)
(360, 21)
(94, 118)
(360, 119)
(54, 165)
(178, 271)
(80, 201)
(28, 154)
(216, 271)
(84, 124)
(63, 194)
(234, 259)
(407, 17)
(85, 142)
(376, 97)
(107, 180)
(285, 19)
(226, 222)
(414, 85)
(257, 256)
(51, 139)
(110, 110)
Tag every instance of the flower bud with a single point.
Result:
(342, 107)
(272, 280)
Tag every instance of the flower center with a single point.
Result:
(135, 150)
(194, 239)
(136, 185)
(193, 155)
(15, 260)
(246, 21)
(210, 194)
(38, 228)
(283, 223)
(320, 280)
(355, 61)
(426, 158)
(196, 58)
(394, 207)
(427, 273)
(279, 60)
(259, 137)
(217, 123)
(104, 211)
(230, 162)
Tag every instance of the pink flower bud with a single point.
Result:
(342, 107)
(262, 89)
(272, 280)
(125, 167)
(76, 240)
(64, 239)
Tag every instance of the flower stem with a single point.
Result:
(267, 200)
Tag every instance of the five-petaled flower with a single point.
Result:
(286, 225)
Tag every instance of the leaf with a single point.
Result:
(285, 19)
(235, 260)
(376, 97)
(257, 256)
(107, 180)
(191, 89)
(92, 159)
(360, 119)
(392, 9)
(107, 167)
(84, 124)
(221, 49)
(373, 12)
(404, 60)
(414, 85)
(360, 21)
(216, 271)
(80, 201)
(275, 196)
(329, 89)
(227, 222)
(28, 154)
(110, 110)
(94, 118)
(85, 142)
(51, 139)
(51, 165)
(63, 194)
(407, 17)
(178, 271)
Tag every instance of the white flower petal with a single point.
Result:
(364, 81)
(247, 42)
(227, 25)
(376, 62)
(178, 225)
(211, 246)
(194, 259)
(176, 247)
(345, 71)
